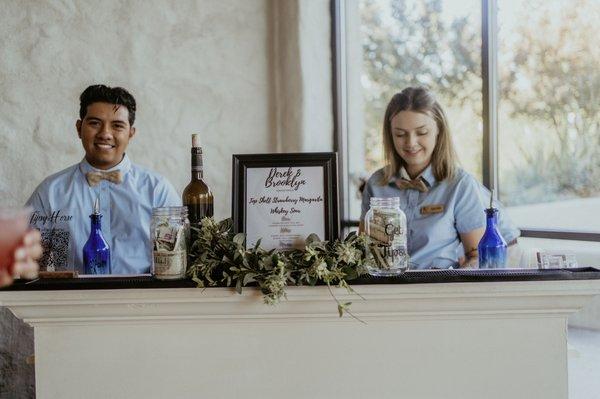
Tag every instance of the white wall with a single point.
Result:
(202, 66)
(316, 60)
(301, 75)
(193, 66)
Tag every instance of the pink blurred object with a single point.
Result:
(13, 225)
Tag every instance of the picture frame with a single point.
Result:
(281, 198)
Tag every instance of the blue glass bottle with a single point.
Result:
(96, 252)
(492, 247)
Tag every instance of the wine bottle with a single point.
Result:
(96, 252)
(197, 195)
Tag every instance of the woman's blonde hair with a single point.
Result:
(419, 99)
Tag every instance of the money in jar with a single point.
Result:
(385, 224)
(169, 232)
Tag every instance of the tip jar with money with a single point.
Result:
(169, 232)
(385, 225)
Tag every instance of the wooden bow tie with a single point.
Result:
(416, 184)
(93, 178)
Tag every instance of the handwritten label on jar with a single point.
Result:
(169, 231)
(170, 263)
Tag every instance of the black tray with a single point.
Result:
(409, 277)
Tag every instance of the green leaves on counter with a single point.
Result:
(219, 258)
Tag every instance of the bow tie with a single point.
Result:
(93, 178)
(415, 184)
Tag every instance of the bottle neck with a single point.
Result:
(96, 224)
(491, 215)
(197, 166)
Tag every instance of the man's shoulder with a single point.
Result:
(58, 178)
(163, 192)
(148, 175)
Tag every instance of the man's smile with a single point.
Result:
(104, 146)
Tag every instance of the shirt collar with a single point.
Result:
(426, 175)
(122, 166)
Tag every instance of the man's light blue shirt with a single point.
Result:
(433, 238)
(63, 202)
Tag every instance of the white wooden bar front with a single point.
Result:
(460, 340)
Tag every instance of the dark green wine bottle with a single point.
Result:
(197, 195)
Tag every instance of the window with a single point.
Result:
(544, 96)
(548, 113)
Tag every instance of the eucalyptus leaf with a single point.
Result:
(198, 281)
(351, 236)
(351, 273)
(239, 239)
(249, 278)
(312, 239)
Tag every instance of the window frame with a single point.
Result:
(489, 74)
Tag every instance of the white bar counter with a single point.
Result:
(493, 340)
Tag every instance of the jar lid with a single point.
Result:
(170, 211)
(388, 202)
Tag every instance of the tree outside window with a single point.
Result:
(549, 91)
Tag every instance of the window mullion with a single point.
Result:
(489, 74)
(340, 103)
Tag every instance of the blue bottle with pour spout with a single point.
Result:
(492, 248)
(96, 252)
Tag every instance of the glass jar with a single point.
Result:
(385, 224)
(169, 232)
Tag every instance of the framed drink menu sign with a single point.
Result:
(282, 198)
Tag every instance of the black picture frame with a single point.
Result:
(326, 160)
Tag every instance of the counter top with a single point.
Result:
(410, 277)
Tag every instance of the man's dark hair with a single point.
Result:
(105, 94)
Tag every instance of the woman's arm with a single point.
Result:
(470, 240)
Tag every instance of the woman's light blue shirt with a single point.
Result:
(63, 202)
(433, 239)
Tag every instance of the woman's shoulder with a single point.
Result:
(376, 179)
(377, 176)
(462, 179)
(462, 176)
(463, 182)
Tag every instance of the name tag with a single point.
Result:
(432, 209)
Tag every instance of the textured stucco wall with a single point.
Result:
(193, 66)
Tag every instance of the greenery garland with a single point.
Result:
(220, 258)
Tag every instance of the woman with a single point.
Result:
(441, 201)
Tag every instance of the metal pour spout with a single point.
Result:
(97, 206)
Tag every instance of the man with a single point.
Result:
(127, 192)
